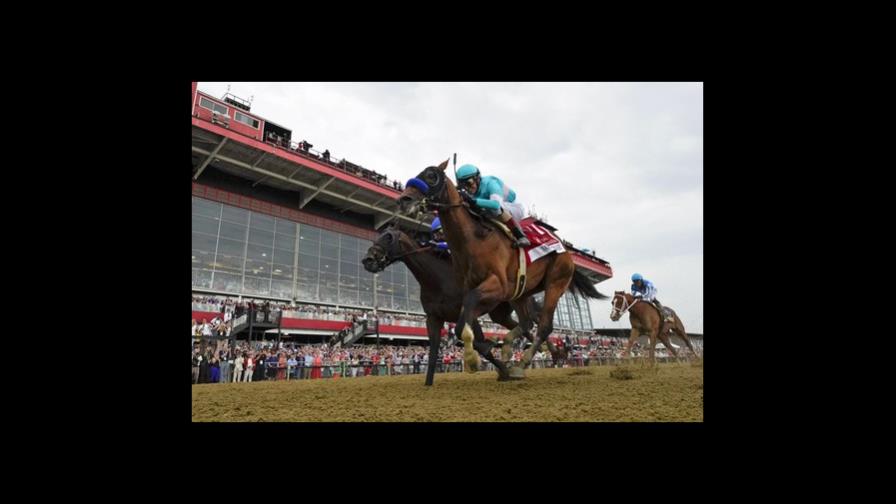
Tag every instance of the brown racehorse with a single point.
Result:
(440, 295)
(645, 319)
(487, 264)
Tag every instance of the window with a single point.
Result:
(203, 259)
(260, 236)
(253, 285)
(309, 233)
(204, 242)
(205, 225)
(202, 278)
(262, 221)
(243, 118)
(286, 227)
(208, 104)
(329, 265)
(328, 250)
(349, 268)
(348, 297)
(229, 263)
(259, 253)
(308, 261)
(281, 288)
(285, 242)
(233, 231)
(228, 283)
(234, 214)
(230, 247)
(283, 257)
(281, 271)
(206, 208)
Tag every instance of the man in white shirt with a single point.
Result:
(238, 368)
(292, 364)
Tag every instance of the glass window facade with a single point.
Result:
(247, 253)
(569, 315)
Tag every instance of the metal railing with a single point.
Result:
(342, 165)
(345, 370)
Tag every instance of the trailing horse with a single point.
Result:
(646, 319)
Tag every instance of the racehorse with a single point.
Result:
(440, 294)
(488, 264)
(646, 319)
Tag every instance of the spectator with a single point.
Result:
(203, 369)
(260, 366)
(225, 367)
(317, 363)
(250, 367)
(292, 364)
(238, 368)
(326, 155)
(196, 359)
(309, 362)
(281, 367)
(215, 370)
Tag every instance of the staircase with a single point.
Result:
(358, 330)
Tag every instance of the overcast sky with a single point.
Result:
(617, 168)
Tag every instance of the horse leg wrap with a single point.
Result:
(471, 356)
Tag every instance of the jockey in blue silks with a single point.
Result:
(438, 235)
(645, 290)
(492, 195)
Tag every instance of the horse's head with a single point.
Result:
(428, 186)
(384, 249)
(620, 305)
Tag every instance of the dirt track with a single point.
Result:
(672, 392)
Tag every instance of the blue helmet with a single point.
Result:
(436, 225)
(466, 171)
(636, 277)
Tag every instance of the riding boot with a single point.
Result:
(521, 240)
(660, 307)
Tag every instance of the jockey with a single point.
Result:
(438, 235)
(645, 289)
(497, 199)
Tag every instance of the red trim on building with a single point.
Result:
(591, 265)
(238, 200)
(208, 316)
(295, 158)
(320, 325)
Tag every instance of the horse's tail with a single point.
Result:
(581, 286)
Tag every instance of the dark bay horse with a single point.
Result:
(440, 293)
(645, 319)
(487, 264)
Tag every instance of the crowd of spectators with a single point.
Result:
(304, 148)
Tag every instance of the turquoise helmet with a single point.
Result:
(636, 277)
(466, 171)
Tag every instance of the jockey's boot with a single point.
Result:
(521, 240)
(662, 314)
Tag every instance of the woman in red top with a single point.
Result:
(281, 368)
(315, 371)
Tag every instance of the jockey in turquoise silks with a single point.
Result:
(492, 195)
